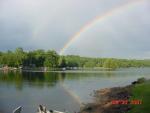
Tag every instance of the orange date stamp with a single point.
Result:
(125, 102)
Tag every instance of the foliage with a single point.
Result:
(89, 64)
(141, 92)
(62, 62)
(50, 58)
(110, 63)
(141, 80)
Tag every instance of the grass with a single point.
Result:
(141, 92)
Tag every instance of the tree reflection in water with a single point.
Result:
(33, 79)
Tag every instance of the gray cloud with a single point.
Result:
(49, 24)
(124, 35)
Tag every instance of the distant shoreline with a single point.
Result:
(90, 70)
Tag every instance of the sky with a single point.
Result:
(50, 24)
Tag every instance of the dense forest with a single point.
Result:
(51, 59)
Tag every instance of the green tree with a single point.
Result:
(110, 63)
(51, 59)
(20, 56)
(62, 62)
(40, 57)
(90, 64)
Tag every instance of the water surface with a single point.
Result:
(60, 91)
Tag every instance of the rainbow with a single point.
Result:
(72, 94)
(99, 19)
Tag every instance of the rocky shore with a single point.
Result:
(104, 99)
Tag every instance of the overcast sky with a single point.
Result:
(49, 24)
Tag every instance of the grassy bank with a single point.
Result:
(138, 91)
(141, 92)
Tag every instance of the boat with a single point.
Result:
(17, 110)
(41, 109)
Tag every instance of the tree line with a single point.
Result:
(51, 59)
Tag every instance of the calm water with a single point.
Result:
(60, 91)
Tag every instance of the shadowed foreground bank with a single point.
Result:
(103, 103)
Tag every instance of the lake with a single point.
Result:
(58, 90)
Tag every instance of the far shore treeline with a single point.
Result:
(51, 59)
